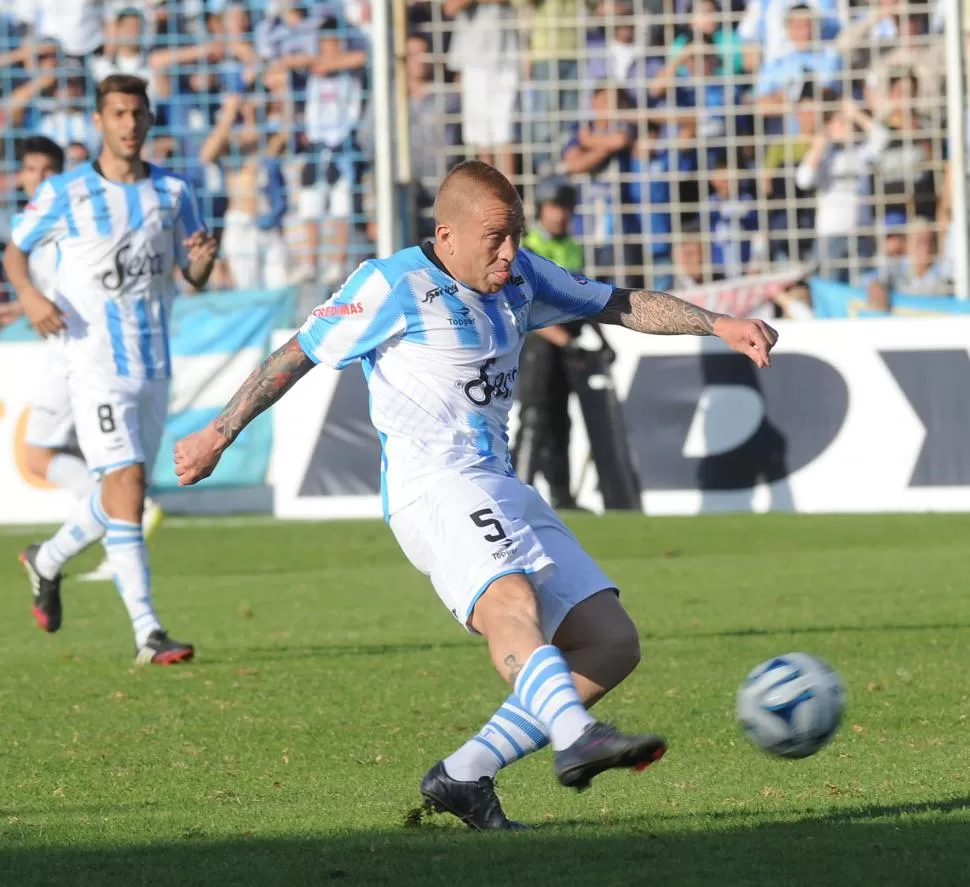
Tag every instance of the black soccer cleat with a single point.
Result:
(160, 649)
(474, 803)
(47, 592)
(603, 747)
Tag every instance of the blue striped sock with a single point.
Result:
(511, 734)
(85, 527)
(128, 560)
(545, 686)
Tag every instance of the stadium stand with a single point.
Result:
(709, 140)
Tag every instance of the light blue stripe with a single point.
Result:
(145, 337)
(492, 749)
(485, 585)
(188, 214)
(104, 469)
(47, 221)
(561, 688)
(499, 331)
(164, 192)
(113, 313)
(133, 201)
(519, 720)
(166, 347)
(99, 206)
(571, 704)
(408, 300)
(378, 331)
(483, 436)
(546, 670)
(97, 512)
(508, 736)
(121, 539)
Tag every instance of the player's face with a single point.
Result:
(486, 242)
(124, 122)
(33, 170)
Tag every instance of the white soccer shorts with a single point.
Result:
(120, 424)
(50, 422)
(472, 528)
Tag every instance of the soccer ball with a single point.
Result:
(791, 705)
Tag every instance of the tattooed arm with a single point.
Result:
(197, 455)
(649, 311)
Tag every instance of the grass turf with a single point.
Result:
(329, 678)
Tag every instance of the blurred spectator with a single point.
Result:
(919, 272)
(125, 53)
(733, 221)
(331, 174)
(600, 156)
(552, 100)
(434, 131)
(76, 154)
(52, 102)
(485, 53)
(288, 38)
(837, 166)
(252, 239)
(709, 26)
(689, 265)
(765, 33)
(77, 25)
(613, 53)
(781, 79)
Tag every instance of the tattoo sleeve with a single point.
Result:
(649, 311)
(266, 384)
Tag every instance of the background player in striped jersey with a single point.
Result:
(50, 445)
(439, 330)
(120, 225)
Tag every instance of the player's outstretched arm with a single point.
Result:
(197, 455)
(659, 313)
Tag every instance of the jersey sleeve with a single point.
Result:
(188, 221)
(43, 220)
(560, 296)
(358, 319)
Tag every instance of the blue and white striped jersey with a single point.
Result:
(115, 248)
(440, 358)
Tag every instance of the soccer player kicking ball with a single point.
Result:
(119, 226)
(438, 329)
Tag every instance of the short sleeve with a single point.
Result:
(358, 319)
(188, 222)
(559, 295)
(43, 220)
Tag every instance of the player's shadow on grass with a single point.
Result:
(927, 847)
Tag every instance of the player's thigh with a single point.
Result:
(50, 422)
(577, 576)
(474, 532)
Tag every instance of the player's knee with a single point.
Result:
(38, 460)
(624, 652)
(123, 493)
(509, 599)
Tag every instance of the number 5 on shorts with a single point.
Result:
(486, 520)
(106, 418)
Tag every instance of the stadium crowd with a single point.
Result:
(709, 140)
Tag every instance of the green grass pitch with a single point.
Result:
(329, 678)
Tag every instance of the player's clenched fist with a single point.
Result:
(197, 455)
(200, 247)
(751, 337)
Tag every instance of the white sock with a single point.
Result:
(128, 560)
(546, 689)
(85, 527)
(511, 734)
(69, 472)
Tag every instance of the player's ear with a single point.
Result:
(443, 235)
(97, 121)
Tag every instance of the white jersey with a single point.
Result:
(115, 247)
(440, 358)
